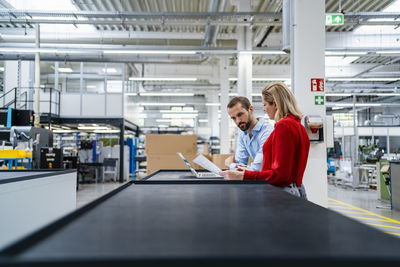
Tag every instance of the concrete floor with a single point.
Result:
(364, 206)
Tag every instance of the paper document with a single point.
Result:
(206, 164)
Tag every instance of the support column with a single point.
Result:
(37, 78)
(213, 113)
(245, 61)
(81, 89)
(307, 25)
(224, 87)
(123, 90)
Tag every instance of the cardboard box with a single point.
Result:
(165, 144)
(219, 160)
(169, 162)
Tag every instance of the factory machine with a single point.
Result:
(20, 140)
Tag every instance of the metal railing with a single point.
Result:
(24, 101)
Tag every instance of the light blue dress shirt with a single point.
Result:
(247, 147)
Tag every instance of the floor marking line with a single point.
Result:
(369, 212)
(366, 218)
(341, 207)
(352, 212)
(393, 233)
(386, 226)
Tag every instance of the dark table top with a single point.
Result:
(224, 223)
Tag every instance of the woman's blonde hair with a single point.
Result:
(284, 99)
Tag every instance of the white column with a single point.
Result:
(37, 78)
(213, 113)
(81, 89)
(56, 76)
(224, 86)
(123, 90)
(308, 61)
(245, 61)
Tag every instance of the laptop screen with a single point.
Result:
(187, 163)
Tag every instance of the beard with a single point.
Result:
(245, 126)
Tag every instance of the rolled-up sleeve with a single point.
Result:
(241, 155)
(258, 159)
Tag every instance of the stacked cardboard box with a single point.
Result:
(161, 151)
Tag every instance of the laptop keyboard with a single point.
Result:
(207, 174)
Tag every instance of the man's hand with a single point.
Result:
(232, 175)
(229, 161)
(242, 167)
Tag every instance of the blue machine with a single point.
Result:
(132, 144)
(331, 166)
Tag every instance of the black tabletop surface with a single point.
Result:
(224, 224)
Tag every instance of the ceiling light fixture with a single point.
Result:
(350, 79)
(213, 104)
(110, 70)
(166, 94)
(161, 79)
(162, 104)
(166, 52)
(262, 52)
(65, 70)
(337, 94)
(264, 79)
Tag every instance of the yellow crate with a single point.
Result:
(13, 154)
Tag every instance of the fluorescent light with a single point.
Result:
(336, 108)
(358, 105)
(166, 94)
(201, 120)
(343, 53)
(337, 94)
(363, 79)
(91, 86)
(65, 70)
(110, 70)
(106, 131)
(62, 131)
(93, 127)
(166, 52)
(262, 52)
(388, 52)
(264, 79)
(179, 116)
(161, 79)
(1, 69)
(388, 94)
(213, 104)
(162, 126)
(163, 120)
(162, 104)
(178, 111)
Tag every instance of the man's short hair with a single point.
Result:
(239, 99)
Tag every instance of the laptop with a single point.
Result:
(198, 174)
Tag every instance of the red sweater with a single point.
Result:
(285, 154)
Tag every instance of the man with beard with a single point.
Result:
(255, 132)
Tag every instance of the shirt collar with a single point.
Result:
(258, 126)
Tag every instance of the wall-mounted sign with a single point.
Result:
(334, 19)
(319, 100)
(317, 85)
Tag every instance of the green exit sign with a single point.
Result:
(334, 19)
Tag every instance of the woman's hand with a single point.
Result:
(232, 175)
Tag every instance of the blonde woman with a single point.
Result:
(286, 149)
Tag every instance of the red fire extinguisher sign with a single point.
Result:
(317, 84)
